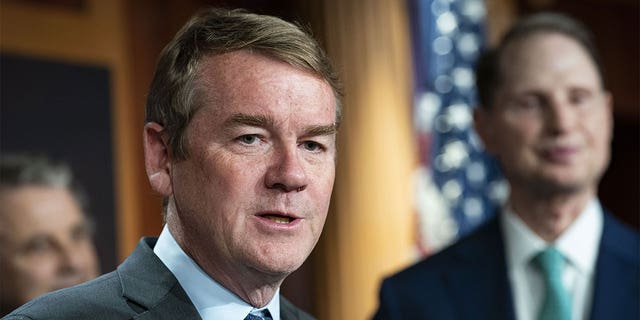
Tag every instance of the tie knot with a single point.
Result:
(263, 314)
(549, 261)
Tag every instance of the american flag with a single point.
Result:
(458, 186)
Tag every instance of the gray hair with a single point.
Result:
(19, 170)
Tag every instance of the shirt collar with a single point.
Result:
(210, 298)
(521, 244)
(579, 243)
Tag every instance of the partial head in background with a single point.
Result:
(240, 133)
(545, 112)
(45, 237)
(489, 69)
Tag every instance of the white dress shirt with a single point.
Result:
(212, 300)
(579, 246)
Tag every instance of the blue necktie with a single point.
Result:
(259, 315)
(556, 304)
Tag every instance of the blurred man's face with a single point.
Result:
(253, 194)
(45, 243)
(551, 125)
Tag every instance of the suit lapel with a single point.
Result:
(151, 289)
(616, 293)
(478, 280)
(175, 305)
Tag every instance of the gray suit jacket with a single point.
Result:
(141, 288)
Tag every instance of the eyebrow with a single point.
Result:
(325, 130)
(264, 121)
(249, 120)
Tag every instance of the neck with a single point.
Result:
(549, 215)
(255, 289)
(253, 286)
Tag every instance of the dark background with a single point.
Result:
(63, 111)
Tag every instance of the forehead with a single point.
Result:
(29, 209)
(243, 75)
(542, 52)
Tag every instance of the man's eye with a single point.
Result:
(81, 233)
(312, 146)
(38, 245)
(579, 97)
(531, 102)
(249, 139)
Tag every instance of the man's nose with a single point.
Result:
(286, 172)
(72, 257)
(561, 116)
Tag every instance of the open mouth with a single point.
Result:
(277, 218)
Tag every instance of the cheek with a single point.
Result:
(321, 172)
(518, 133)
(328, 183)
(598, 137)
(229, 186)
(33, 275)
(598, 127)
(323, 180)
(89, 255)
(511, 145)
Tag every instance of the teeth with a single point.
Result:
(276, 219)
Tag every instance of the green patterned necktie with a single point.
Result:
(556, 304)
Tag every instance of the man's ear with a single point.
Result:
(156, 159)
(484, 128)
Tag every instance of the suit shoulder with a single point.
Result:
(289, 311)
(485, 239)
(621, 240)
(100, 298)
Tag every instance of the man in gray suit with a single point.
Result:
(240, 132)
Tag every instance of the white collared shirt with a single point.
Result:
(211, 299)
(578, 244)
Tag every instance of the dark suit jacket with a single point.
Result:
(469, 280)
(141, 288)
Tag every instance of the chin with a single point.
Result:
(285, 266)
(281, 264)
(562, 185)
(285, 255)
